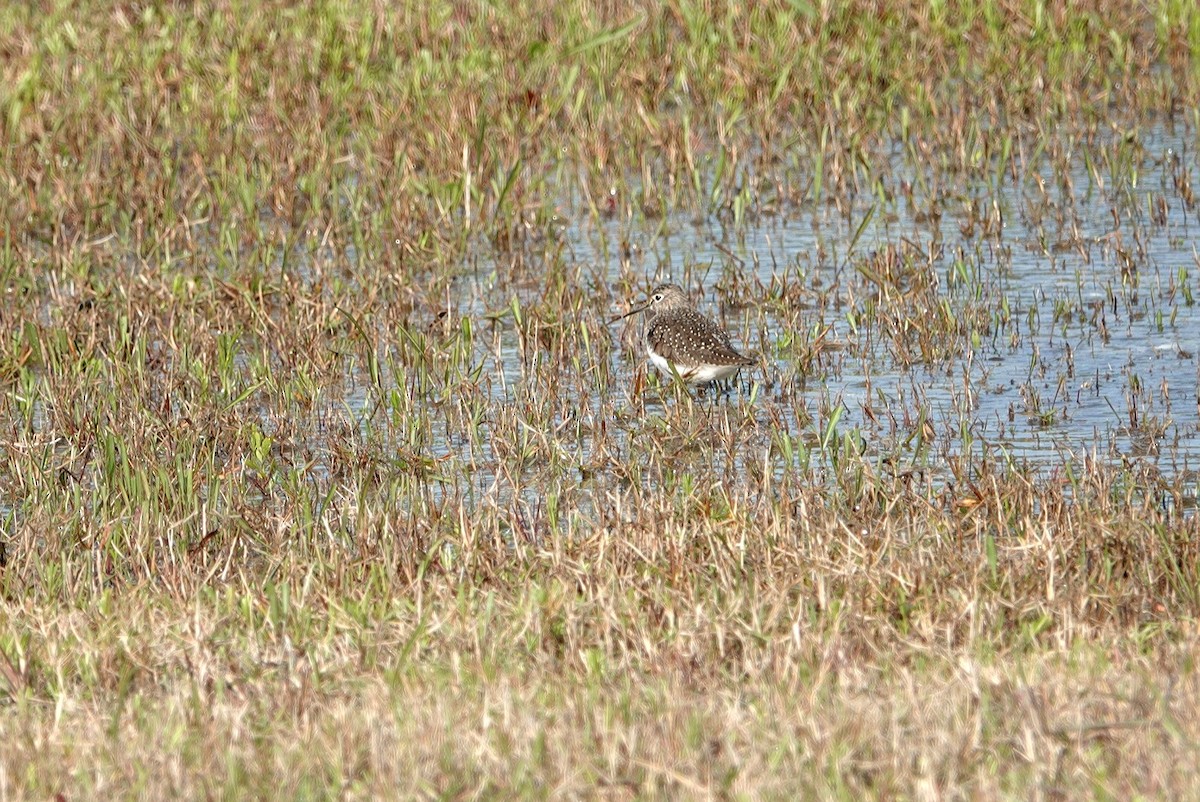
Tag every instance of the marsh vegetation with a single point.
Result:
(327, 475)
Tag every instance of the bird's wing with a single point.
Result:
(694, 337)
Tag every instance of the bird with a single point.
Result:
(681, 341)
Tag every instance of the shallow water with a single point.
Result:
(1097, 357)
(1079, 344)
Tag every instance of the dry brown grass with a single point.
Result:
(1008, 642)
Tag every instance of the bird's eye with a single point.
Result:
(658, 296)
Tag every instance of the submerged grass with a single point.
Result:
(326, 476)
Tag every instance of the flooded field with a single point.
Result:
(332, 466)
(1040, 319)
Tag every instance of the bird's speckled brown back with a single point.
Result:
(687, 338)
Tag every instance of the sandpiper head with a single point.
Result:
(662, 298)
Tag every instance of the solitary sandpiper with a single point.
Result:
(680, 340)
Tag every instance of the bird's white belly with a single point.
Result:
(701, 374)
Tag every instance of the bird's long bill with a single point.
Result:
(641, 308)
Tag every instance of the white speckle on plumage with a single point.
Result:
(681, 340)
